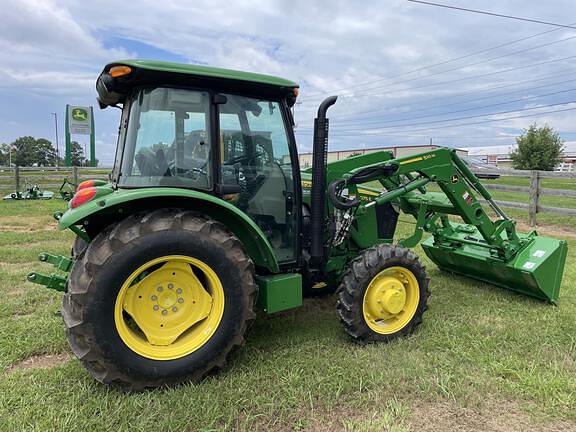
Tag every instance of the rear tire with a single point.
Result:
(383, 295)
(78, 247)
(110, 342)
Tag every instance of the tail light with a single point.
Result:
(82, 196)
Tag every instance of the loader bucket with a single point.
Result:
(535, 271)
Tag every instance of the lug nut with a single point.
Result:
(174, 308)
(156, 307)
(180, 300)
(170, 286)
(179, 291)
(154, 298)
(164, 312)
(159, 289)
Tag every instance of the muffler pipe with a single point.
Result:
(318, 192)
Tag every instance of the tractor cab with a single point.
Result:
(224, 133)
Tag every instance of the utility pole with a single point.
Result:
(56, 130)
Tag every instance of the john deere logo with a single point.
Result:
(79, 114)
(454, 179)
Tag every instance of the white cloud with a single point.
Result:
(51, 52)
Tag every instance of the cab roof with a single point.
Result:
(147, 73)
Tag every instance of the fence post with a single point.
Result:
(75, 175)
(17, 177)
(534, 196)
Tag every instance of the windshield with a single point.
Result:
(167, 140)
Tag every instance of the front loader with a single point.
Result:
(208, 218)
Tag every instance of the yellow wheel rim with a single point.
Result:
(391, 300)
(169, 307)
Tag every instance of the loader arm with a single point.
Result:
(483, 247)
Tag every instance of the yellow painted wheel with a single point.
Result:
(391, 300)
(383, 295)
(160, 297)
(169, 307)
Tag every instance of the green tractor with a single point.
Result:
(208, 218)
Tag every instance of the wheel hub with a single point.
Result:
(167, 302)
(386, 297)
(393, 300)
(390, 300)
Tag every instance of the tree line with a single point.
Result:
(30, 151)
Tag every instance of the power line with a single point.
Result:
(486, 88)
(369, 121)
(350, 132)
(362, 92)
(440, 63)
(501, 71)
(494, 14)
(470, 117)
(459, 118)
(429, 107)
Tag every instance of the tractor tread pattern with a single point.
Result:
(360, 272)
(112, 239)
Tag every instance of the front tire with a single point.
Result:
(159, 298)
(383, 295)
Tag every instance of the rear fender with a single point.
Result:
(124, 202)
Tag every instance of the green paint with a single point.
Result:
(536, 271)
(279, 292)
(68, 154)
(205, 71)
(92, 140)
(481, 248)
(120, 202)
(60, 262)
(55, 282)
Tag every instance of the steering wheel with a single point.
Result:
(153, 164)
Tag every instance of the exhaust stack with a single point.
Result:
(318, 192)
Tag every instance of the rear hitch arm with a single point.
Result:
(55, 281)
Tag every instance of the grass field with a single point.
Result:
(484, 359)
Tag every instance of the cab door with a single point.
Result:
(256, 155)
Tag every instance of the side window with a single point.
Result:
(167, 143)
(256, 156)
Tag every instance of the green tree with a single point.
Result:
(538, 149)
(45, 153)
(29, 151)
(4, 154)
(76, 154)
(23, 151)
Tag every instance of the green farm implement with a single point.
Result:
(208, 218)
(67, 189)
(30, 192)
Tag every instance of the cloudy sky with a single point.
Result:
(406, 73)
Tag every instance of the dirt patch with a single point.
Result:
(496, 417)
(28, 223)
(15, 228)
(40, 361)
